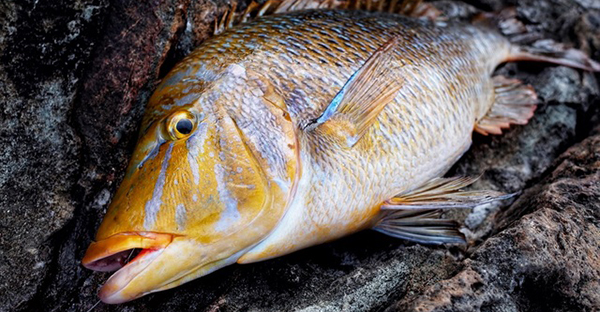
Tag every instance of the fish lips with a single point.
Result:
(165, 261)
(112, 254)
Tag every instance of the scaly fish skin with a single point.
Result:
(248, 183)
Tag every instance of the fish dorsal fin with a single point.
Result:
(356, 106)
(414, 8)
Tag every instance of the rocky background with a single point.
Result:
(74, 77)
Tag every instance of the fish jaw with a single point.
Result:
(109, 254)
(165, 261)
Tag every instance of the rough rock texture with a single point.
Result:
(546, 253)
(74, 77)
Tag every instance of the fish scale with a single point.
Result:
(413, 135)
(307, 126)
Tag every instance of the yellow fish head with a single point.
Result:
(196, 195)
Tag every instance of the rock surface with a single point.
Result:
(75, 76)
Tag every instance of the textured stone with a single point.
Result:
(75, 76)
(546, 255)
(44, 46)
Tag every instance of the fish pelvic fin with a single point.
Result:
(414, 8)
(423, 226)
(366, 93)
(514, 103)
(415, 215)
(443, 193)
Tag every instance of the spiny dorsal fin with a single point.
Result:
(443, 193)
(357, 105)
(422, 226)
(414, 8)
(299, 5)
(514, 103)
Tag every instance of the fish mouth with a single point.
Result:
(162, 261)
(130, 253)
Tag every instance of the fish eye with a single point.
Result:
(184, 126)
(180, 125)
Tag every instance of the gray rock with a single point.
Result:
(546, 252)
(42, 53)
(75, 76)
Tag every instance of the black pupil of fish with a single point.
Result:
(184, 126)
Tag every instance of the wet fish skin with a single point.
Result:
(447, 87)
(250, 182)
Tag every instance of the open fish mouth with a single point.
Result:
(148, 262)
(130, 253)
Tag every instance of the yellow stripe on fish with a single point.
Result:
(299, 128)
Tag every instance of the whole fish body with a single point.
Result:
(297, 129)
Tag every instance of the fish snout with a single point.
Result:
(130, 252)
(148, 262)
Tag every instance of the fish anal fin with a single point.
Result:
(514, 103)
(357, 105)
(443, 193)
(422, 226)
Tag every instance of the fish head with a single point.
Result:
(199, 190)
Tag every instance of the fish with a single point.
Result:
(296, 128)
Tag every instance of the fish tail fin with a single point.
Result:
(531, 46)
(514, 101)
(556, 53)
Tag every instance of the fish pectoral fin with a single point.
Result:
(514, 103)
(356, 106)
(444, 193)
(420, 225)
